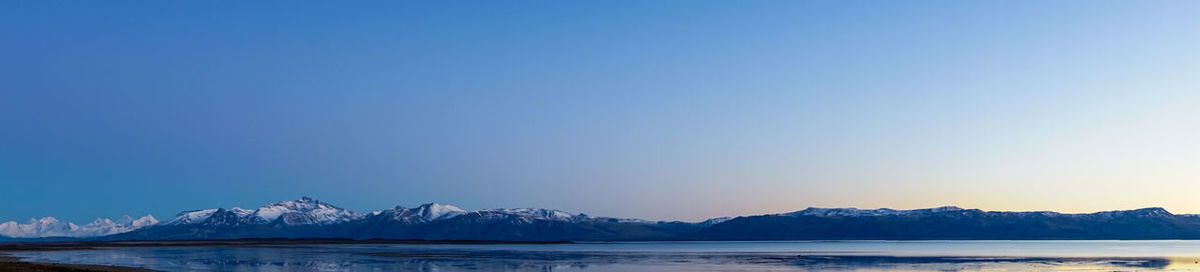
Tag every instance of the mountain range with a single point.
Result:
(52, 227)
(310, 218)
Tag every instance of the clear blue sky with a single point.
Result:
(651, 109)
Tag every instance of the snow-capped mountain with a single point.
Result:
(423, 213)
(715, 221)
(309, 218)
(190, 217)
(530, 214)
(303, 211)
(397, 214)
(866, 212)
(144, 221)
(435, 211)
(52, 227)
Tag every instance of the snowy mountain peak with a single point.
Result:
(422, 213)
(532, 214)
(144, 221)
(191, 217)
(272, 211)
(435, 211)
(101, 222)
(303, 211)
(52, 227)
(827, 212)
(715, 221)
(399, 213)
(44, 227)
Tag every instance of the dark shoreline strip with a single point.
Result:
(10, 263)
(43, 246)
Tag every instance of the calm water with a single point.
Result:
(660, 256)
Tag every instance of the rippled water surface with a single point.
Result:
(659, 256)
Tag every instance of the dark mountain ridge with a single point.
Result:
(956, 224)
(308, 218)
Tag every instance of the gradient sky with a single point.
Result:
(651, 109)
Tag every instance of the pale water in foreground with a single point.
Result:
(1167, 255)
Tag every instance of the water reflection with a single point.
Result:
(979, 263)
(393, 258)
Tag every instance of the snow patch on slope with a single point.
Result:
(529, 214)
(304, 211)
(435, 211)
(191, 217)
(829, 212)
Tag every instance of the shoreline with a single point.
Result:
(80, 245)
(10, 263)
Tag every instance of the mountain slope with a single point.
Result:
(955, 223)
(524, 224)
(309, 218)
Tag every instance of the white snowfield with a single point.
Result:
(52, 227)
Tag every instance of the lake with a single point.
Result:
(1166, 255)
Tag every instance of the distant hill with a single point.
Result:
(950, 223)
(309, 218)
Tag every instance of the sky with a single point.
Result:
(662, 110)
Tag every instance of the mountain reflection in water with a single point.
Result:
(602, 257)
